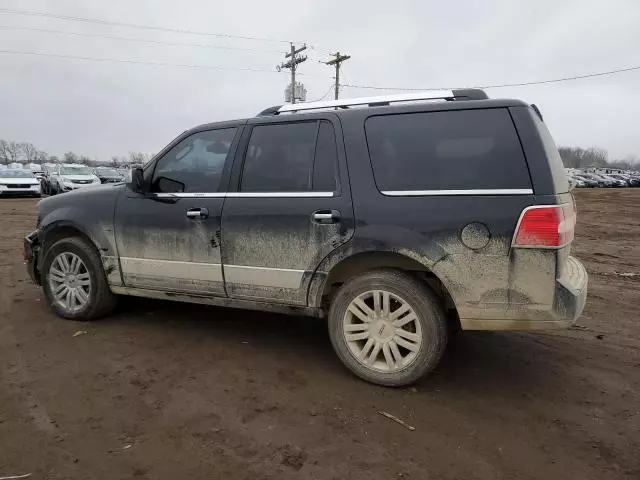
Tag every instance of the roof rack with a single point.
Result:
(450, 95)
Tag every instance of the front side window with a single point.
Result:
(195, 165)
(291, 157)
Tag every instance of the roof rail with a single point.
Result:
(458, 94)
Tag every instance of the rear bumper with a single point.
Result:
(31, 245)
(570, 297)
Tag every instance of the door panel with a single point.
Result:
(161, 248)
(274, 239)
(271, 244)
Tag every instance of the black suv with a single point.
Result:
(399, 219)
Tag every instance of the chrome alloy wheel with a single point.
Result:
(69, 282)
(382, 331)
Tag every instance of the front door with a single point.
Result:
(291, 208)
(169, 238)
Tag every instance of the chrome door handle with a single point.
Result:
(197, 213)
(326, 216)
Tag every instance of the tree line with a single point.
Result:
(576, 157)
(25, 152)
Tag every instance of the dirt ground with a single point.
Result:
(173, 391)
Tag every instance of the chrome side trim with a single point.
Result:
(279, 194)
(192, 195)
(146, 267)
(402, 97)
(212, 272)
(428, 193)
(263, 276)
(247, 195)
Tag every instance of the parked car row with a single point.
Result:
(584, 179)
(67, 177)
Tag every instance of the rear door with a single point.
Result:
(291, 207)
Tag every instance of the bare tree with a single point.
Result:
(10, 151)
(29, 151)
(70, 157)
(41, 157)
(53, 159)
(140, 157)
(576, 157)
(117, 161)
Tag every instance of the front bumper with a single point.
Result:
(31, 245)
(570, 297)
(29, 191)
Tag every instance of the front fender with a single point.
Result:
(91, 213)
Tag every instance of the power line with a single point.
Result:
(152, 63)
(520, 84)
(138, 62)
(134, 25)
(129, 39)
(331, 87)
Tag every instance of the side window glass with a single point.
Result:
(450, 150)
(279, 158)
(325, 167)
(194, 165)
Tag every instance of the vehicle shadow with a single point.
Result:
(487, 362)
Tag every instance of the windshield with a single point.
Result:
(75, 170)
(108, 172)
(16, 174)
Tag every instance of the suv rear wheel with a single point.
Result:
(74, 282)
(387, 327)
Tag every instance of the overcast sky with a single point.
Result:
(102, 109)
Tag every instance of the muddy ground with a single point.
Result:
(173, 391)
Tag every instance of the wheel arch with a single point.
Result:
(63, 229)
(325, 284)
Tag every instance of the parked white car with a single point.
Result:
(67, 177)
(15, 181)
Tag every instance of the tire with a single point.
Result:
(99, 299)
(429, 326)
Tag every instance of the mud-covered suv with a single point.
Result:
(399, 219)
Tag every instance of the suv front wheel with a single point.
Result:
(387, 327)
(74, 282)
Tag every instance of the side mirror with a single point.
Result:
(135, 180)
(169, 185)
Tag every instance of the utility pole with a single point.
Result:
(337, 61)
(295, 59)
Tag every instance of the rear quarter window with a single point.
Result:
(452, 150)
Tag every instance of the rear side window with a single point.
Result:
(291, 157)
(454, 150)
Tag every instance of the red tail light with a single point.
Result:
(545, 226)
